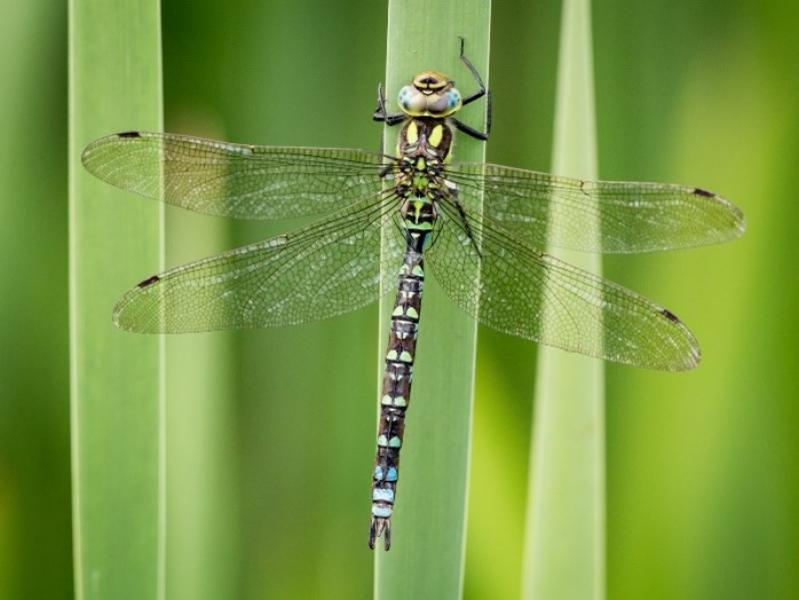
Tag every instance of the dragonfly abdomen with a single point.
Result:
(418, 218)
(396, 391)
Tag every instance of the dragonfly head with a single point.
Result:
(431, 94)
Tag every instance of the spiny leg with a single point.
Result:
(463, 222)
(392, 119)
(482, 91)
(381, 114)
(473, 70)
(471, 131)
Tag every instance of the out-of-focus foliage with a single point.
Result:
(35, 515)
(702, 467)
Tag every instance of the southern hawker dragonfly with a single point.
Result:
(478, 227)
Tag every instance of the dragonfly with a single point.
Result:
(385, 219)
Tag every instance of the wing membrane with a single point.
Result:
(634, 217)
(516, 289)
(233, 180)
(328, 268)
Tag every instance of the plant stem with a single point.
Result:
(565, 534)
(428, 530)
(117, 386)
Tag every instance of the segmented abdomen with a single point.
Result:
(396, 393)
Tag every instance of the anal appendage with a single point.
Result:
(381, 526)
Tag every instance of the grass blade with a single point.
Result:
(202, 509)
(116, 378)
(426, 558)
(565, 541)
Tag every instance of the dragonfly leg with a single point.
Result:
(488, 112)
(483, 91)
(381, 114)
(470, 131)
(463, 221)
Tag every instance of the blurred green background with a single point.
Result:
(703, 484)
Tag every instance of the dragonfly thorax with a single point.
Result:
(431, 94)
(423, 146)
(427, 138)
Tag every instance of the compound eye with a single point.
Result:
(411, 101)
(437, 104)
(453, 99)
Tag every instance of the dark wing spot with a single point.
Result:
(129, 134)
(149, 281)
(669, 315)
(701, 192)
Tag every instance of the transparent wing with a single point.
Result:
(328, 268)
(233, 180)
(516, 289)
(635, 217)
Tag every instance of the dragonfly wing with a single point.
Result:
(233, 180)
(516, 289)
(539, 208)
(325, 269)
